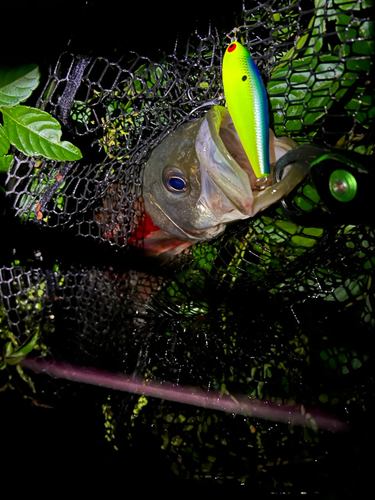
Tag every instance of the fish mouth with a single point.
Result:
(226, 169)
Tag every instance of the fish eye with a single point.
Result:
(175, 181)
(177, 184)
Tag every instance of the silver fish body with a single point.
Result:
(199, 179)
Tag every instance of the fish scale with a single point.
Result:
(247, 104)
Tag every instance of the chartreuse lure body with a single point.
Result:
(247, 104)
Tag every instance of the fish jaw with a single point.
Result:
(225, 148)
(233, 199)
(164, 245)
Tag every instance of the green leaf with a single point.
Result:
(8, 349)
(5, 163)
(13, 357)
(17, 84)
(26, 349)
(4, 143)
(36, 133)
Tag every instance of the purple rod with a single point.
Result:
(238, 404)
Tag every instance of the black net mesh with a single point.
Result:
(273, 309)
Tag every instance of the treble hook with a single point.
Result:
(234, 37)
(214, 102)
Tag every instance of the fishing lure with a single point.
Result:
(247, 104)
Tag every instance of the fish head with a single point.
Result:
(199, 179)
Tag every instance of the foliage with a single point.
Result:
(30, 130)
(13, 352)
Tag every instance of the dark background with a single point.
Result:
(40, 30)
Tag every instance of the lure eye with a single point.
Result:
(175, 181)
(231, 47)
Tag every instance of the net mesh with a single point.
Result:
(272, 309)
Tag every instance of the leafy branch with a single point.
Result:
(30, 130)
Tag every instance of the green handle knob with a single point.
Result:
(343, 185)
